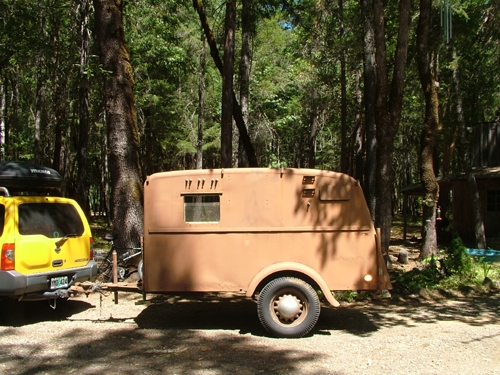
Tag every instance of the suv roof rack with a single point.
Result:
(4, 191)
(25, 176)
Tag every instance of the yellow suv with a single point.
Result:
(46, 243)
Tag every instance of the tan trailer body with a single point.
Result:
(254, 223)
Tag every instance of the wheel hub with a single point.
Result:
(288, 307)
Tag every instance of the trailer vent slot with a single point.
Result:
(308, 180)
(308, 193)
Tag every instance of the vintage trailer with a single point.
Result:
(279, 235)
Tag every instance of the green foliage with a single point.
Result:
(346, 295)
(456, 260)
(350, 296)
(426, 276)
(295, 76)
(454, 270)
(486, 267)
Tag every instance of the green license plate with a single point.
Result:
(58, 282)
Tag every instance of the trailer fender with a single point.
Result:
(279, 268)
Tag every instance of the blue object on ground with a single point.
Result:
(489, 255)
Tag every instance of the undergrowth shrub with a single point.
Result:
(426, 276)
(456, 260)
(453, 269)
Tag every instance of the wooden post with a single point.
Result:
(142, 281)
(405, 214)
(115, 274)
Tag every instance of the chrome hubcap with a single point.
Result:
(288, 307)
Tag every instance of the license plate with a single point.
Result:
(59, 282)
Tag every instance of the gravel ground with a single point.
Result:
(209, 335)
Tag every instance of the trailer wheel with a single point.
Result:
(288, 307)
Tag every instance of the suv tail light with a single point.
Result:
(91, 248)
(8, 259)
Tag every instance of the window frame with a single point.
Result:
(204, 206)
(495, 205)
(61, 223)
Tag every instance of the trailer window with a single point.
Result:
(201, 208)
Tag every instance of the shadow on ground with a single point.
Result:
(15, 314)
(217, 312)
(196, 335)
(212, 313)
(366, 317)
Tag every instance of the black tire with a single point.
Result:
(140, 269)
(288, 307)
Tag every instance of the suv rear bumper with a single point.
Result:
(15, 284)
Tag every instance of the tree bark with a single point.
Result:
(358, 135)
(426, 72)
(480, 236)
(2, 121)
(84, 128)
(314, 128)
(58, 159)
(370, 81)
(237, 114)
(37, 157)
(11, 115)
(344, 144)
(247, 27)
(122, 133)
(39, 103)
(201, 107)
(388, 107)
(226, 149)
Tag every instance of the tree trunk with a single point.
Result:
(201, 107)
(11, 115)
(370, 81)
(83, 94)
(237, 114)
(39, 102)
(12, 122)
(314, 128)
(344, 144)
(226, 141)
(104, 167)
(123, 137)
(426, 71)
(37, 155)
(388, 107)
(358, 134)
(480, 236)
(59, 112)
(2, 121)
(247, 27)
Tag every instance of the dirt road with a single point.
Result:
(224, 336)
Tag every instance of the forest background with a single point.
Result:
(109, 91)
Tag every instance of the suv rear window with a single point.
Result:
(2, 218)
(49, 219)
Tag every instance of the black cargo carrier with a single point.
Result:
(26, 176)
